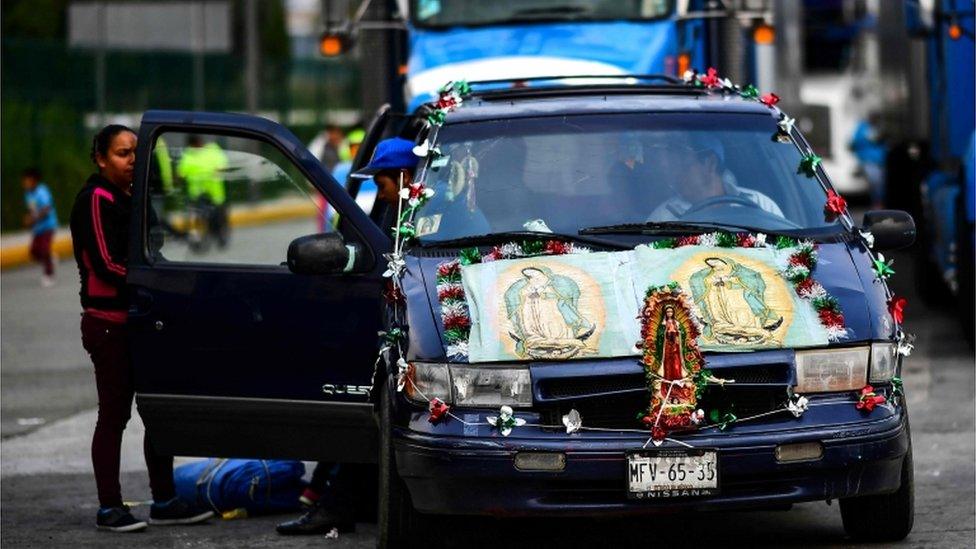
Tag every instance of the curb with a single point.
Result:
(19, 254)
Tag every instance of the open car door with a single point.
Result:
(234, 354)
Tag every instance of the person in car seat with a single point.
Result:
(695, 169)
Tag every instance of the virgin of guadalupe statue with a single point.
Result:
(732, 300)
(671, 336)
(544, 316)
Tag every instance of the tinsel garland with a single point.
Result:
(798, 270)
(455, 316)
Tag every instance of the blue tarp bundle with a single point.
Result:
(260, 486)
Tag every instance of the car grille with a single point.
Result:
(614, 402)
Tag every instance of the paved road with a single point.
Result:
(46, 491)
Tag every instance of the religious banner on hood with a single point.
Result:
(552, 307)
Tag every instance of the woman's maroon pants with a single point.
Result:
(106, 342)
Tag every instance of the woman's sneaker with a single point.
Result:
(118, 519)
(176, 511)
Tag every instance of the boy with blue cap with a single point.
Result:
(391, 167)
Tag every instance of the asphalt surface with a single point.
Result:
(47, 492)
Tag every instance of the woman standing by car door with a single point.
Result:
(99, 230)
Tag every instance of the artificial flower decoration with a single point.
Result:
(658, 434)
(786, 124)
(882, 269)
(711, 79)
(868, 399)
(769, 99)
(808, 164)
(424, 149)
(438, 410)
(392, 293)
(406, 229)
(868, 238)
(436, 118)
(906, 342)
(896, 307)
(897, 386)
(722, 419)
(416, 194)
(835, 206)
(506, 421)
(797, 405)
(698, 416)
(395, 265)
(749, 92)
(469, 256)
(402, 370)
(689, 76)
(573, 421)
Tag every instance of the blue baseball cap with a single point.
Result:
(395, 153)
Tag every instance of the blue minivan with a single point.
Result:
(622, 296)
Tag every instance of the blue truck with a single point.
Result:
(932, 175)
(430, 42)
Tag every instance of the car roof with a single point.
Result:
(571, 101)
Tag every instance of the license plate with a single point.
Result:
(672, 473)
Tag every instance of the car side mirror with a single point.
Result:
(892, 229)
(323, 253)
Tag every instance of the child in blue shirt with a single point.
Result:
(42, 219)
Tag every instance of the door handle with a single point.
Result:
(141, 304)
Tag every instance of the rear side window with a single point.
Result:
(228, 200)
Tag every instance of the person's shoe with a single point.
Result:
(118, 519)
(176, 511)
(47, 281)
(318, 520)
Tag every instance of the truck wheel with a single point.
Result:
(397, 520)
(886, 517)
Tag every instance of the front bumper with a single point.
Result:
(475, 475)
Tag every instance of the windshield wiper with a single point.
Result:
(674, 227)
(502, 237)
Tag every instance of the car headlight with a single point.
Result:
(479, 386)
(470, 386)
(827, 370)
(884, 362)
(426, 381)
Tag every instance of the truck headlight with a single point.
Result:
(827, 370)
(469, 386)
(884, 362)
(491, 387)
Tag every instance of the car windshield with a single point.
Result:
(577, 173)
(447, 13)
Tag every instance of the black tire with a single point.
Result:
(397, 521)
(886, 517)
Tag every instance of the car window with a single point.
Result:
(228, 200)
(573, 172)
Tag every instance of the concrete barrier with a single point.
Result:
(15, 250)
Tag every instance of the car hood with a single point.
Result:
(844, 270)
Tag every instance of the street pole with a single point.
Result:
(787, 15)
(251, 55)
(100, 66)
(199, 75)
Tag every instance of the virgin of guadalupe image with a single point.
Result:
(732, 301)
(544, 317)
(671, 342)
